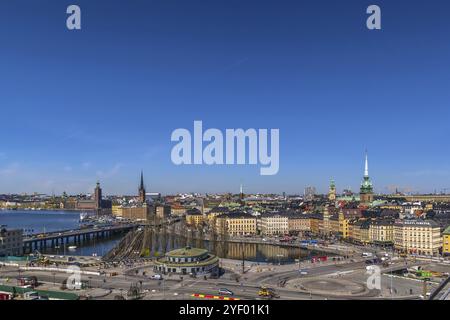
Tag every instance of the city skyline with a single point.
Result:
(101, 103)
(319, 190)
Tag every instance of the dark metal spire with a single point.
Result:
(141, 187)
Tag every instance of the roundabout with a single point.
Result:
(328, 286)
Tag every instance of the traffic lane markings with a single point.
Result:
(210, 296)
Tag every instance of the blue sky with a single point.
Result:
(102, 102)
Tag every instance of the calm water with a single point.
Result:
(161, 243)
(48, 221)
(40, 221)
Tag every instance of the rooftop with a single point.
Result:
(187, 252)
(447, 231)
(416, 222)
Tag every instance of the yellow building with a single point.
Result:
(446, 241)
(215, 212)
(239, 224)
(359, 231)
(274, 224)
(139, 212)
(334, 225)
(316, 221)
(236, 224)
(382, 232)
(299, 223)
(194, 217)
(343, 225)
(389, 206)
(116, 210)
(421, 237)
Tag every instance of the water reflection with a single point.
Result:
(162, 242)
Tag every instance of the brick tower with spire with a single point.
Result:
(142, 189)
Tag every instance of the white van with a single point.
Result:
(156, 277)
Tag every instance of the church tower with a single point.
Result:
(326, 220)
(366, 190)
(332, 191)
(241, 193)
(98, 198)
(142, 189)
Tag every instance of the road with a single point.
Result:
(172, 287)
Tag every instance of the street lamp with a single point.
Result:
(279, 260)
(164, 288)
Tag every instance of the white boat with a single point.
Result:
(83, 215)
(72, 248)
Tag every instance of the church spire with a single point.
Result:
(366, 191)
(241, 193)
(141, 187)
(366, 167)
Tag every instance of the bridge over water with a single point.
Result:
(76, 237)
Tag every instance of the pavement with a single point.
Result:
(347, 277)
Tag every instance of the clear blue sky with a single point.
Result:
(101, 103)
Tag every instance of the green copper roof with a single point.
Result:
(366, 185)
(332, 184)
(187, 252)
(447, 231)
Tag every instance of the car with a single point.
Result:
(156, 277)
(303, 272)
(226, 292)
(26, 286)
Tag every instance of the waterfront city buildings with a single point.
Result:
(446, 241)
(421, 237)
(11, 242)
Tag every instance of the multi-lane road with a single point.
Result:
(246, 288)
